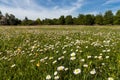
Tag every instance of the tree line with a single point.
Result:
(108, 18)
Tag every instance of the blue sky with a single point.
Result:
(55, 8)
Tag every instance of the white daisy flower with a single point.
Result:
(48, 77)
(60, 68)
(77, 71)
(93, 71)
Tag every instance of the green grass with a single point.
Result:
(33, 52)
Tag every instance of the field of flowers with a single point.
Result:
(60, 53)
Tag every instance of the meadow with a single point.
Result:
(60, 53)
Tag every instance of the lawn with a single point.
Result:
(60, 52)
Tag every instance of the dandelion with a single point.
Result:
(93, 71)
(38, 64)
(77, 71)
(48, 77)
(56, 77)
(60, 68)
(110, 78)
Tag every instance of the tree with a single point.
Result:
(56, 21)
(12, 19)
(75, 21)
(26, 21)
(117, 18)
(81, 19)
(89, 19)
(1, 15)
(108, 18)
(47, 22)
(62, 20)
(7, 17)
(68, 20)
(99, 19)
(38, 21)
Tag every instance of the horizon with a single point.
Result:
(34, 9)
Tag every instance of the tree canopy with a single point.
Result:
(108, 18)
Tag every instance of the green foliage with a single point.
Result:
(68, 20)
(47, 22)
(89, 19)
(117, 18)
(108, 18)
(75, 21)
(81, 19)
(99, 19)
(62, 20)
(26, 21)
(38, 22)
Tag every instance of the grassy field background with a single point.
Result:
(60, 52)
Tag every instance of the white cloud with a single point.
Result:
(29, 8)
(111, 2)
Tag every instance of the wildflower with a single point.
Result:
(64, 52)
(93, 71)
(62, 57)
(32, 61)
(55, 73)
(72, 54)
(107, 57)
(66, 69)
(50, 58)
(89, 57)
(99, 57)
(13, 65)
(54, 62)
(46, 58)
(86, 47)
(56, 77)
(38, 64)
(60, 68)
(103, 64)
(48, 77)
(82, 60)
(108, 50)
(110, 78)
(77, 71)
(85, 65)
(72, 58)
(42, 60)
(95, 57)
